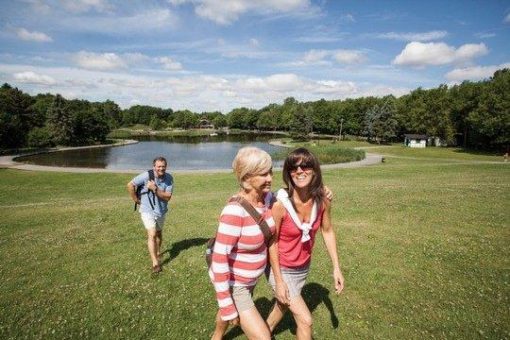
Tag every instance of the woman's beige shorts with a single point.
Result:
(243, 297)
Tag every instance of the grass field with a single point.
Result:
(423, 241)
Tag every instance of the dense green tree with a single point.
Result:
(302, 122)
(16, 117)
(185, 119)
(439, 108)
(142, 114)
(413, 112)
(268, 120)
(323, 116)
(237, 118)
(156, 123)
(380, 123)
(113, 112)
(286, 113)
(464, 99)
(90, 127)
(40, 107)
(40, 137)
(219, 121)
(491, 119)
(60, 121)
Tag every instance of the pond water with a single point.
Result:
(182, 153)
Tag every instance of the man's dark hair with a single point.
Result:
(159, 159)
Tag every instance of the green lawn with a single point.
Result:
(423, 240)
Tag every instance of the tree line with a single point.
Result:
(471, 114)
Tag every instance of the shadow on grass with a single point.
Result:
(313, 293)
(175, 249)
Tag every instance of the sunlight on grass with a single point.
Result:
(424, 250)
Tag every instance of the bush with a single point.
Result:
(40, 137)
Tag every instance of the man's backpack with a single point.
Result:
(140, 192)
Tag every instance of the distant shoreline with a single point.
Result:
(10, 161)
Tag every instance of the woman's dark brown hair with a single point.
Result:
(303, 156)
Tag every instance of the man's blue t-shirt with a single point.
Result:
(165, 184)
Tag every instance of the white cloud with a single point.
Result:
(254, 42)
(97, 61)
(135, 58)
(349, 57)
(333, 87)
(382, 90)
(277, 82)
(324, 57)
(195, 92)
(283, 82)
(39, 6)
(113, 61)
(410, 36)
(315, 56)
(153, 19)
(228, 50)
(474, 72)
(421, 54)
(507, 18)
(485, 35)
(79, 6)
(321, 38)
(470, 51)
(24, 34)
(30, 77)
(348, 18)
(169, 64)
(225, 12)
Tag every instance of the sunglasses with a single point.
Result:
(303, 165)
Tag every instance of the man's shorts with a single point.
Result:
(295, 279)
(242, 297)
(152, 222)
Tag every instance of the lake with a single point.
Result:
(182, 153)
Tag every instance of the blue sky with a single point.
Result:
(207, 55)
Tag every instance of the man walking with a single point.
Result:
(153, 202)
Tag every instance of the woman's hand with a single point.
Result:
(328, 193)
(234, 322)
(282, 293)
(339, 280)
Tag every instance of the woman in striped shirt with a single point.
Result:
(240, 252)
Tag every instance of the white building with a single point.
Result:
(415, 141)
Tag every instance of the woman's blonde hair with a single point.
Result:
(251, 161)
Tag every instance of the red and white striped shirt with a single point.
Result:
(240, 253)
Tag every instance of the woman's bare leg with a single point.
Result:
(253, 326)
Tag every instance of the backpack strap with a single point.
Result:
(256, 216)
(153, 202)
(148, 192)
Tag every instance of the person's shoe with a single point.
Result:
(156, 269)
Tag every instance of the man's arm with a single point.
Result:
(162, 194)
(132, 192)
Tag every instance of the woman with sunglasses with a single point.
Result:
(301, 210)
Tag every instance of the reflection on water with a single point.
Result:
(182, 153)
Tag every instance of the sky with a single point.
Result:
(214, 55)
